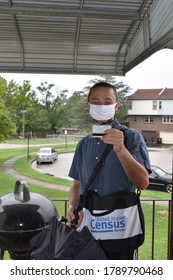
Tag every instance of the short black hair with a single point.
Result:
(103, 84)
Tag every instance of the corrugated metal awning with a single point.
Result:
(81, 36)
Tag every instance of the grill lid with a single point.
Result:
(25, 211)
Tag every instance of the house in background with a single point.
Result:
(151, 112)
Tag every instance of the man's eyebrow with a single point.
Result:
(108, 98)
(100, 98)
(96, 98)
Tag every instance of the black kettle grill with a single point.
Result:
(23, 214)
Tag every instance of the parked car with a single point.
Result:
(160, 180)
(46, 155)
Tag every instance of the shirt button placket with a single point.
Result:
(97, 158)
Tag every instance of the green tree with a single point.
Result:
(47, 96)
(25, 99)
(47, 108)
(7, 127)
(39, 124)
(8, 95)
(57, 114)
(3, 88)
(77, 113)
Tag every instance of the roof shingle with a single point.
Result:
(153, 94)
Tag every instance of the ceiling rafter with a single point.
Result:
(84, 13)
(77, 37)
(18, 35)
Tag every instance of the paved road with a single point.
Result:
(60, 168)
(15, 146)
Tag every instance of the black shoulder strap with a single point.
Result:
(98, 165)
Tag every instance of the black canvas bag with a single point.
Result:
(117, 219)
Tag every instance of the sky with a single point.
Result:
(154, 72)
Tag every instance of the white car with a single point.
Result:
(46, 155)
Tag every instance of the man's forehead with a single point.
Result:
(102, 95)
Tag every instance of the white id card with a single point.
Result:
(98, 130)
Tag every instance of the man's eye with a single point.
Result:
(96, 103)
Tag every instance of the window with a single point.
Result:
(130, 105)
(134, 119)
(148, 119)
(154, 105)
(167, 119)
(160, 105)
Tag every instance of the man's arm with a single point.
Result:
(136, 173)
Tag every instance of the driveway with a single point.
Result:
(162, 158)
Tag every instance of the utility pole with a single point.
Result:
(23, 112)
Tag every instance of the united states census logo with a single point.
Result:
(108, 224)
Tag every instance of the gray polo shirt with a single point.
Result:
(111, 177)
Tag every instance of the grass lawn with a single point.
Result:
(23, 166)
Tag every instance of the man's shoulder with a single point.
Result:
(132, 131)
(87, 137)
(84, 140)
(133, 135)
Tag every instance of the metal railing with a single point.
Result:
(62, 204)
(166, 203)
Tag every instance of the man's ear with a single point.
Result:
(88, 105)
(117, 106)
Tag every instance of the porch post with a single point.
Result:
(171, 222)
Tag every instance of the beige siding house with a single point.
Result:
(151, 112)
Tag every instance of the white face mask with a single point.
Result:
(102, 112)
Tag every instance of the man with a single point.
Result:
(125, 168)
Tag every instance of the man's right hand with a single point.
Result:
(72, 217)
